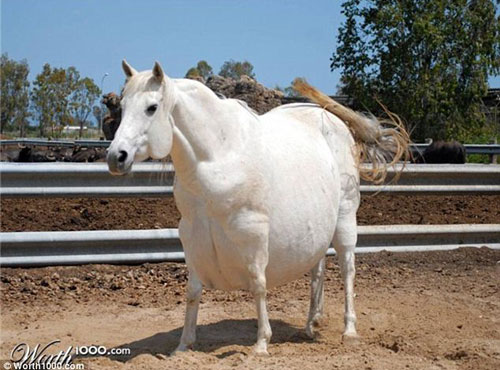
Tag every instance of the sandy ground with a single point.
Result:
(433, 310)
(436, 310)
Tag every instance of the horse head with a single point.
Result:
(146, 126)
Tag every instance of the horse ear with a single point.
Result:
(129, 71)
(158, 72)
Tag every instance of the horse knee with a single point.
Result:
(258, 281)
(258, 286)
(193, 291)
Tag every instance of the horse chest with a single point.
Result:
(215, 235)
(220, 259)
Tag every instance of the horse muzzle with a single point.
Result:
(119, 161)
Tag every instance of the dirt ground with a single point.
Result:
(432, 310)
(429, 310)
(149, 213)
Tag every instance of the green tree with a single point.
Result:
(288, 91)
(43, 100)
(60, 97)
(81, 101)
(202, 69)
(193, 73)
(235, 70)
(426, 60)
(205, 69)
(50, 97)
(14, 94)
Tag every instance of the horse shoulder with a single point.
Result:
(229, 185)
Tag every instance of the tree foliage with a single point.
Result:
(205, 69)
(193, 73)
(235, 70)
(202, 69)
(14, 94)
(61, 97)
(82, 100)
(50, 97)
(288, 91)
(426, 60)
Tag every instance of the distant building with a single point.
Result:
(69, 129)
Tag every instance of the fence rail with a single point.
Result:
(156, 180)
(490, 149)
(139, 246)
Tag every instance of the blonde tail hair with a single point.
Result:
(381, 146)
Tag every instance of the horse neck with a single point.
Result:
(206, 128)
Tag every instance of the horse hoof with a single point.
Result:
(310, 332)
(350, 338)
(180, 348)
(259, 351)
(315, 323)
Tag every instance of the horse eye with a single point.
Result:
(152, 108)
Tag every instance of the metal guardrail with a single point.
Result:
(84, 180)
(139, 246)
(156, 179)
(490, 149)
(441, 179)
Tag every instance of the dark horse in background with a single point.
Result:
(441, 152)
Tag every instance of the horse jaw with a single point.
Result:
(159, 138)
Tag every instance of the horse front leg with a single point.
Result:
(317, 293)
(193, 295)
(248, 231)
(259, 290)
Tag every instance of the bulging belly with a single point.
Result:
(293, 251)
(292, 256)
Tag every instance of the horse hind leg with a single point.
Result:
(317, 292)
(344, 242)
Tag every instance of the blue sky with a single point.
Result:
(282, 39)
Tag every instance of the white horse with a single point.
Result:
(261, 197)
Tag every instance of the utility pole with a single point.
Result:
(101, 115)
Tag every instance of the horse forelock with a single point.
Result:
(141, 82)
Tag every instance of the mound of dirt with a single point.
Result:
(256, 95)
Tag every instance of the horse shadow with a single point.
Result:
(211, 337)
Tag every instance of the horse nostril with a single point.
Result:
(122, 156)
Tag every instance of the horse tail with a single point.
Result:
(383, 143)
